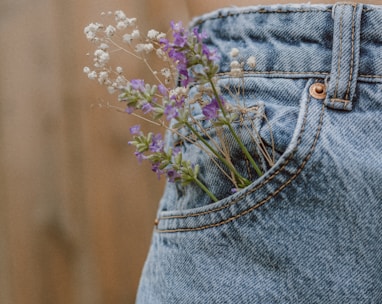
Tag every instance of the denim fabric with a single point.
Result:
(310, 229)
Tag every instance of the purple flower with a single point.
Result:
(140, 157)
(129, 110)
(135, 130)
(179, 58)
(180, 39)
(185, 78)
(179, 100)
(177, 27)
(138, 84)
(155, 167)
(165, 43)
(211, 110)
(162, 90)
(199, 36)
(171, 112)
(173, 176)
(176, 151)
(211, 54)
(147, 108)
(156, 144)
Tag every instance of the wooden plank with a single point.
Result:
(76, 210)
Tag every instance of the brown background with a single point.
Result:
(76, 210)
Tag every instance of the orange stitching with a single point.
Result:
(337, 100)
(268, 197)
(370, 76)
(258, 186)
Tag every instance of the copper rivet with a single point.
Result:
(318, 90)
(156, 222)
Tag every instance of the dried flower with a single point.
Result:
(251, 61)
(234, 52)
(188, 62)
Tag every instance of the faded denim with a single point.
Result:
(310, 229)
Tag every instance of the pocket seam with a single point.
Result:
(265, 200)
(259, 185)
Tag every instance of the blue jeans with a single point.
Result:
(310, 229)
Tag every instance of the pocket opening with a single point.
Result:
(182, 217)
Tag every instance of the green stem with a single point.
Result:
(238, 140)
(240, 178)
(205, 189)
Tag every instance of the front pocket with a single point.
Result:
(213, 173)
(290, 128)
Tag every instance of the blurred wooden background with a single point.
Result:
(76, 210)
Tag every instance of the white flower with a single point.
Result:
(103, 77)
(166, 72)
(119, 15)
(111, 89)
(101, 58)
(135, 34)
(161, 35)
(103, 46)
(251, 61)
(144, 47)
(236, 69)
(110, 31)
(234, 52)
(121, 25)
(155, 35)
(120, 82)
(235, 65)
(92, 75)
(179, 92)
(86, 70)
(152, 34)
(127, 38)
(161, 54)
(119, 70)
(131, 21)
(91, 31)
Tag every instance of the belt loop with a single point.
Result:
(345, 55)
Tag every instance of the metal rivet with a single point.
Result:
(156, 222)
(318, 90)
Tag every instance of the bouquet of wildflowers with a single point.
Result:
(187, 63)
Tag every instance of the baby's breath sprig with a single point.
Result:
(187, 62)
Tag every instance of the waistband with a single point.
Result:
(341, 42)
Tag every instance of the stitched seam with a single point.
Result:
(275, 72)
(352, 53)
(370, 76)
(264, 11)
(261, 11)
(340, 55)
(249, 73)
(312, 149)
(337, 100)
(258, 186)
